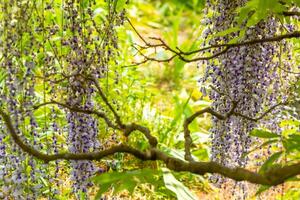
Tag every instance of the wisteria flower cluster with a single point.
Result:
(63, 46)
(247, 75)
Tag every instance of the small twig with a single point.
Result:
(291, 13)
(177, 52)
(127, 129)
(140, 36)
(79, 110)
(220, 93)
(104, 98)
(262, 115)
(187, 136)
(288, 71)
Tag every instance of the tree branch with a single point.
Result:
(262, 115)
(76, 109)
(127, 129)
(188, 139)
(182, 55)
(271, 177)
(104, 98)
(291, 13)
(133, 127)
(187, 136)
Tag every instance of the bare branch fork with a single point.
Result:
(182, 55)
(232, 112)
(189, 120)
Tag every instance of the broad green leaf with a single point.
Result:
(102, 189)
(261, 189)
(291, 143)
(179, 154)
(256, 10)
(270, 161)
(289, 123)
(263, 134)
(227, 31)
(128, 185)
(255, 19)
(127, 180)
(201, 154)
(182, 192)
(243, 12)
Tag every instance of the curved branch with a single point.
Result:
(76, 109)
(181, 54)
(127, 129)
(291, 13)
(295, 34)
(68, 156)
(271, 177)
(187, 136)
(104, 98)
(133, 127)
(188, 139)
(262, 115)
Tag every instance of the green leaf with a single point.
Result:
(293, 179)
(256, 10)
(179, 154)
(243, 12)
(200, 137)
(295, 137)
(3, 75)
(297, 2)
(227, 31)
(128, 185)
(289, 123)
(103, 189)
(44, 181)
(255, 19)
(201, 154)
(127, 180)
(239, 38)
(270, 161)
(261, 189)
(263, 134)
(292, 143)
(182, 192)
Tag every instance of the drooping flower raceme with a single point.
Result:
(83, 62)
(247, 75)
(49, 49)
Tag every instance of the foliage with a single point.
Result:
(158, 95)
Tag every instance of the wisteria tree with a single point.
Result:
(79, 120)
